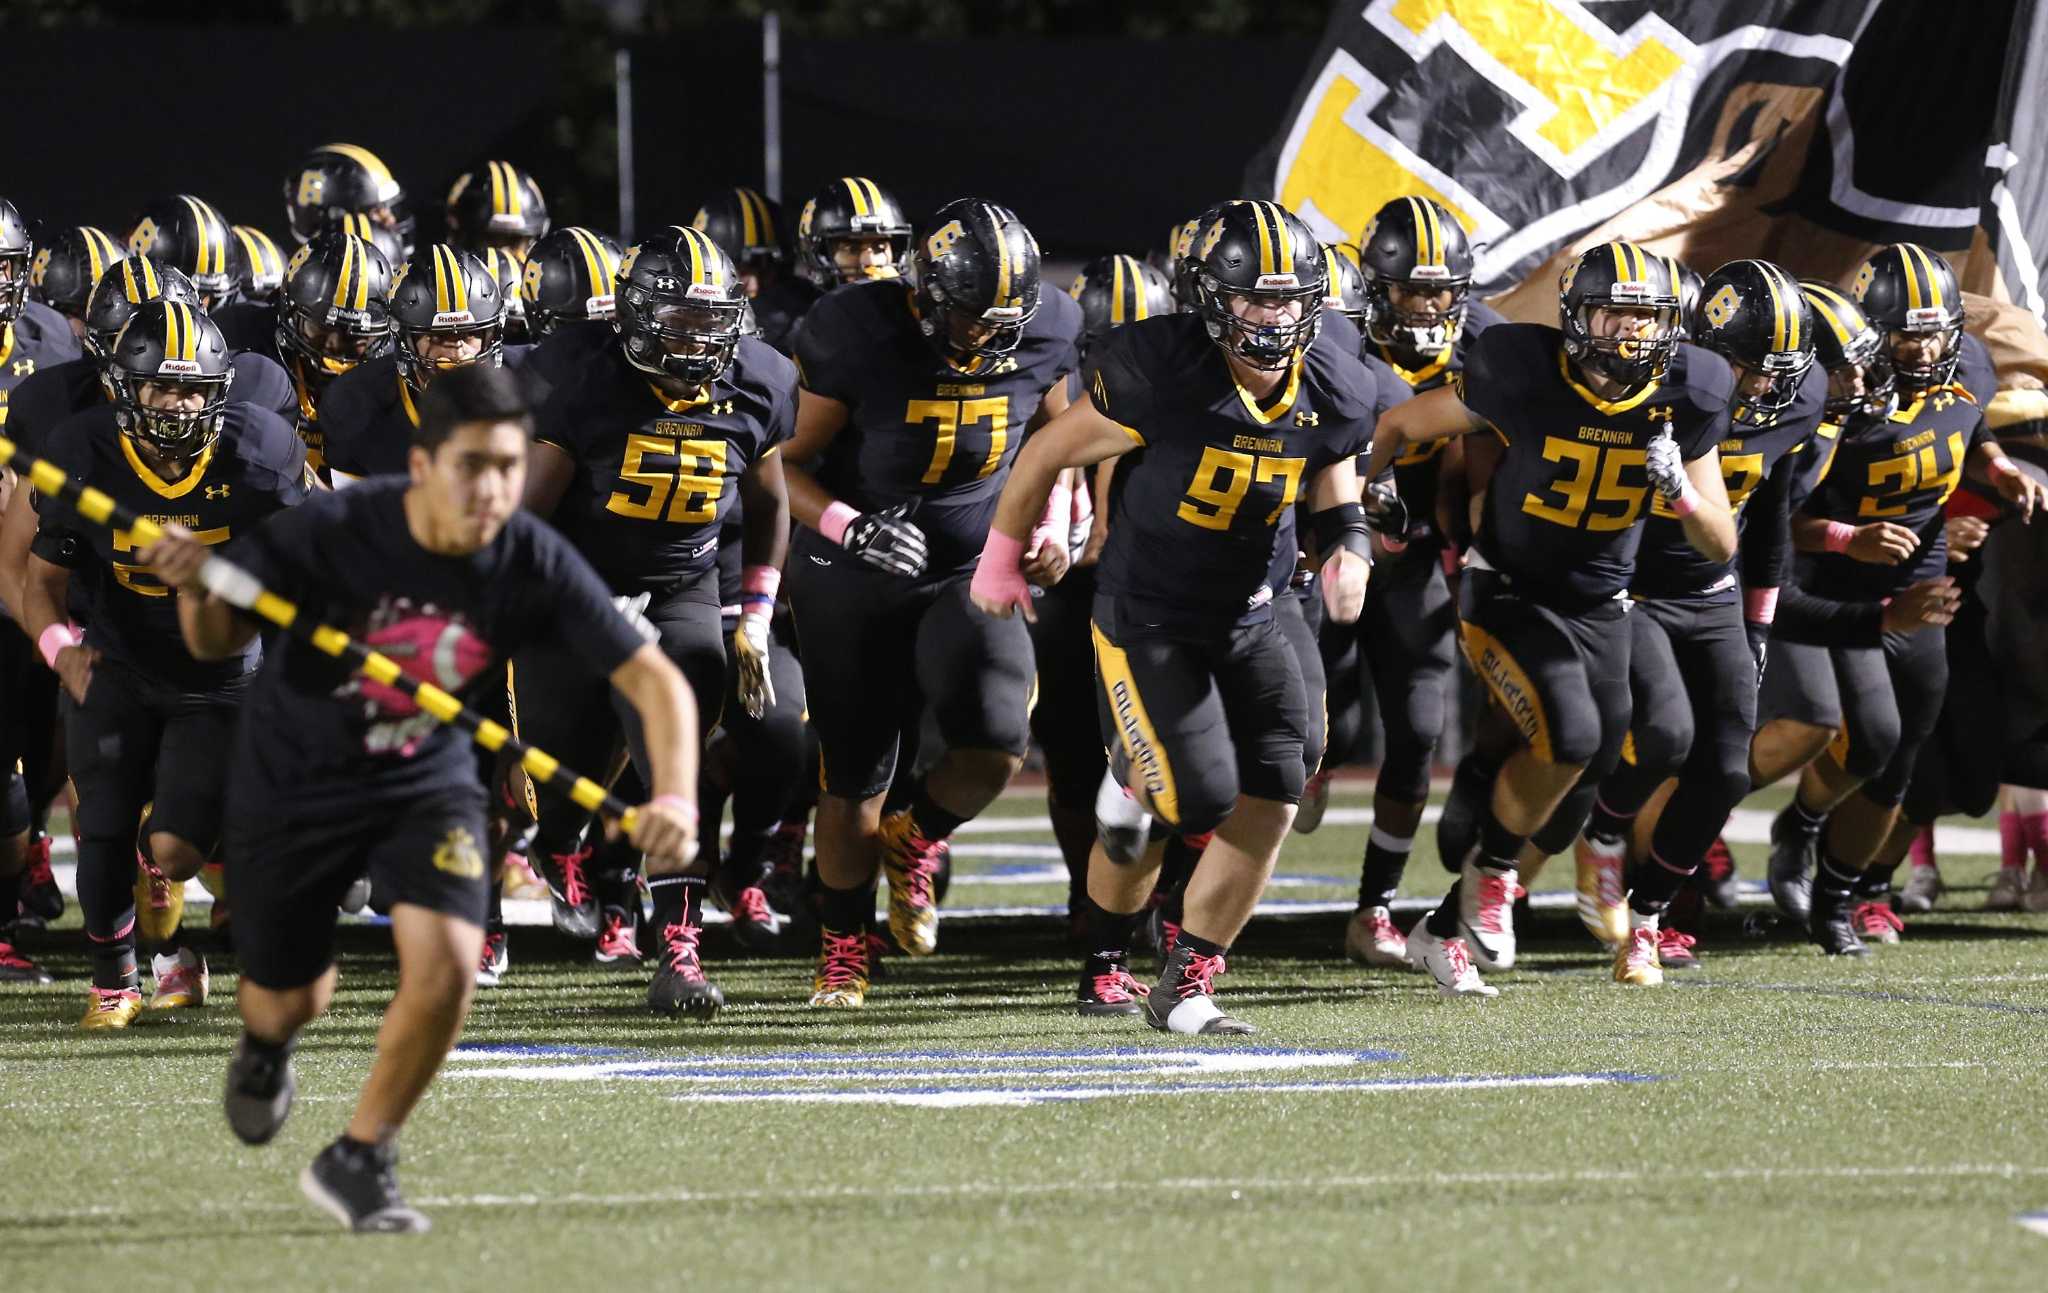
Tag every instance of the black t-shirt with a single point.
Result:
(263, 382)
(255, 468)
(1899, 469)
(655, 476)
(39, 339)
(918, 429)
(319, 737)
(1417, 468)
(368, 415)
(250, 326)
(1667, 565)
(1202, 512)
(1563, 505)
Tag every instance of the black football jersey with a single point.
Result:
(916, 428)
(49, 397)
(654, 476)
(1563, 505)
(250, 326)
(781, 306)
(1417, 467)
(1668, 565)
(1899, 469)
(1202, 511)
(37, 340)
(256, 467)
(366, 422)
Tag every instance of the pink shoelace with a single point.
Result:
(492, 943)
(921, 867)
(752, 907)
(1496, 899)
(574, 888)
(39, 873)
(1382, 926)
(1874, 917)
(1118, 988)
(159, 885)
(1460, 958)
(615, 939)
(681, 941)
(1642, 946)
(1201, 972)
(845, 961)
(13, 959)
(1673, 945)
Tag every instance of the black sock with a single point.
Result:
(1656, 883)
(494, 911)
(1834, 880)
(1606, 825)
(1443, 922)
(1386, 856)
(1805, 820)
(678, 900)
(1875, 884)
(113, 966)
(1499, 847)
(1108, 934)
(1193, 947)
(741, 867)
(932, 821)
(845, 911)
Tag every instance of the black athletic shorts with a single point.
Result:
(878, 648)
(1202, 720)
(1408, 635)
(1063, 719)
(288, 868)
(137, 741)
(1561, 678)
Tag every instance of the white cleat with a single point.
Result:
(1315, 801)
(1603, 898)
(1486, 914)
(1922, 890)
(1372, 938)
(1446, 961)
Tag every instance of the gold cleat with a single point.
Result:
(841, 981)
(111, 1008)
(181, 981)
(1635, 961)
(1603, 900)
(911, 863)
(159, 903)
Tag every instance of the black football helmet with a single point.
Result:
(1257, 252)
(17, 254)
(1752, 313)
(1346, 286)
(1689, 283)
(445, 292)
(1114, 290)
(977, 282)
(1905, 288)
(749, 227)
(122, 290)
(1417, 245)
(1620, 275)
(189, 234)
(680, 306)
(175, 344)
(259, 265)
(506, 266)
(568, 276)
(851, 207)
(69, 266)
(331, 312)
(346, 178)
(1844, 337)
(496, 205)
(382, 237)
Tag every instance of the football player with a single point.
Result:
(336, 775)
(1220, 420)
(852, 231)
(147, 725)
(1873, 529)
(640, 452)
(510, 272)
(67, 269)
(915, 398)
(749, 227)
(568, 279)
(331, 317)
(446, 311)
(259, 265)
(189, 235)
(1543, 599)
(1420, 320)
(496, 205)
(347, 180)
(1699, 628)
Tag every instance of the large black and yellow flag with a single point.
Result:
(1801, 131)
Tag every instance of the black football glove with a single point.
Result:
(1385, 512)
(886, 541)
(1759, 645)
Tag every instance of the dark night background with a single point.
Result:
(1101, 123)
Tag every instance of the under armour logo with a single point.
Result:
(216, 491)
(23, 367)
(721, 409)
(1305, 418)
(1661, 413)
(1941, 401)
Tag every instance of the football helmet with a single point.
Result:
(1258, 256)
(1346, 286)
(175, 344)
(749, 227)
(123, 289)
(259, 265)
(69, 266)
(851, 208)
(1752, 313)
(444, 292)
(1178, 240)
(496, 205)
(1114, 290)
(1844, 337)
(331, 312)
(680, 306)
(977, 282)
(506, 266)
(1620, 275)
(346, 178)
(189, 234)
(17, 254)
(1689, 282)
(1415, 245)
(1907, 289)
(383, 238)
(568, 276)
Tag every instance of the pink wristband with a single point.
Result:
(2005, 466)
(835, 520)
(758, 586)
(54, 639)
(1760, 605)
(1059, 508)
(680, 804)
(1839, 536)
(1687, 502)
(999, 576)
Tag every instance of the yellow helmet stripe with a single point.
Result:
(171, 332)
(1914, 297)
(1425, 254)
(1927, 265)
(1833, 307)
(593, 259)
(750, 225)
(874, 197)
(1778, 311)
(343, 282)
(149, 288)
(1134, 274)
(1790, 287)
(860, 196)
(710, 256)
(364, 158)
(202, 265)
(1004, 269)
(1617, 250)
(764, 218)
(1279, 214)
(1265, 238)
(99, 250)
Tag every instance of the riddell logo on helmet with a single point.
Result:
(601, 304)
(1630, 287)
(1926, 318)
(1278, 280)
(447, 317)
(705, 292)
(1429, 272)
(178, 368)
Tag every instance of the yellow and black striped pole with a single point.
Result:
(239, 588)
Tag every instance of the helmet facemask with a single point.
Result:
(175, 434)
(1417, 333)
(1267, 344)
(1866, 353)
(1629, 361)
(690, 340)
(419, 371)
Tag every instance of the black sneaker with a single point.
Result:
(260, 1090)
(1793, 849)
(358, 1186)
(16, 968)
(1457, 831)
(1107, 988)
(1184, 1002)
(1828, 924)
(679, 986)
(575, 901)
(618, 943)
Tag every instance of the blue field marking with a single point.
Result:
(2035, 1221)
(532, 1050)
(939, 1097)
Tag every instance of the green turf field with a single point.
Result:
(1773, 1121)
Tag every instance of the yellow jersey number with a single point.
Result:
(138, 578)
(954, 416)
(690, 490)
(1223, 478)
(1912, 472)
(1592, 496)
(1742, 472)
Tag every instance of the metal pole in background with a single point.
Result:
(622, 82)
(771, 104)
